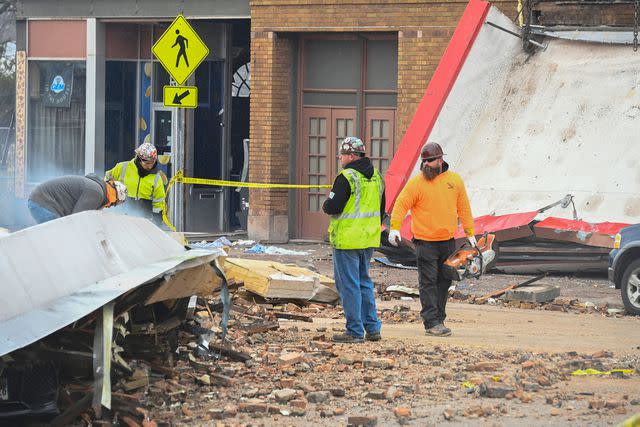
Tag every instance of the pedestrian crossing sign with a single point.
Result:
(180, 50)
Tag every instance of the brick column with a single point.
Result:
(271, 69)
(419, 52)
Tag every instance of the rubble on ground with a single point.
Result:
(263, 373)
(563, 304)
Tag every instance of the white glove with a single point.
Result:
(394, 237)
(471, 239)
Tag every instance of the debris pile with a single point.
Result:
(267, 377)
(524, 295)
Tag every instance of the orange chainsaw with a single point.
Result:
(470, 261)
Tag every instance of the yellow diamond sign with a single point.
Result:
(180, 50)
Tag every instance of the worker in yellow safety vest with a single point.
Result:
(145, 183)
(356, 205)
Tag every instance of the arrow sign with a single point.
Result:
(180, 96)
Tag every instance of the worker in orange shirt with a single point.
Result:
(436, 198)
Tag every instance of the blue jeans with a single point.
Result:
(351, 273)
(39, 213)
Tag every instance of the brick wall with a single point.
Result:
(424, 29)
(614, 14)
(271, 75)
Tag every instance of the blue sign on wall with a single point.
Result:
(59, 79)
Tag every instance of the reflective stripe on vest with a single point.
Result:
(123, 174)
(358, 226)
(357, 214)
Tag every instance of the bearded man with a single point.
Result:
(436, 198)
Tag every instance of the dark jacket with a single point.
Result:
(341, 191)
(67, 195)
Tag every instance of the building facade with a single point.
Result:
(325, 69)
(289, 79)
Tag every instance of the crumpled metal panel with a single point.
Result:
(524, 130)
(54, 273)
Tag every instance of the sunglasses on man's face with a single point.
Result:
(430, 159)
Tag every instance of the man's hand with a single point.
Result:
(473, 241)
(394, 237)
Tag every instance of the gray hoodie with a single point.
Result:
(67, 195)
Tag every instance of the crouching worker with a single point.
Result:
(356, 205)
(144, 182)
(67, 195)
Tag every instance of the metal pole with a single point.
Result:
(175, 167)
(179, 192)
(540, 45)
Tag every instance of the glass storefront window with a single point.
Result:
(119, 112)
(56, 119)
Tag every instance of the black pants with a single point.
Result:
(433, 287)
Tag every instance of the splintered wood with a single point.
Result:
(271, 279)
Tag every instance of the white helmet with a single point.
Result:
(121, 191)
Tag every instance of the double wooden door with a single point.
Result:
(323, 129)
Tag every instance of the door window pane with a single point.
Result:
(375, 147)
(313, 203)
(56, 125)
(381, 99)
(382, 64)
(162, 131)
(313, 145)
(330, 99)
(332, 64)
(379, 130)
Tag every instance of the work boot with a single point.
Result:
(373, 337)
(438, 330)
(346, 339)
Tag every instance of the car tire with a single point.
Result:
(630, 288)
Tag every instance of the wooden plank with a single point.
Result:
(291, 316)
(232, 354)
(497, 293)
(271, 279)
(200, 280)
(256, 328)
(73, 411)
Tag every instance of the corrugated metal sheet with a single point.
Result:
(53, 274)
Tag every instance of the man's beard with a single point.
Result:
(430, 173)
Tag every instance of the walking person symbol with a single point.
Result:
(183, 44)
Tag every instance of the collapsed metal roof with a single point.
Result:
(524, 130)
(55, 273)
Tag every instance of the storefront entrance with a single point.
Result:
(349, 89)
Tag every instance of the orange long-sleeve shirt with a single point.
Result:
(435, 207)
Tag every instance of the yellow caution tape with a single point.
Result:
(592, 371)
(179, 177)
